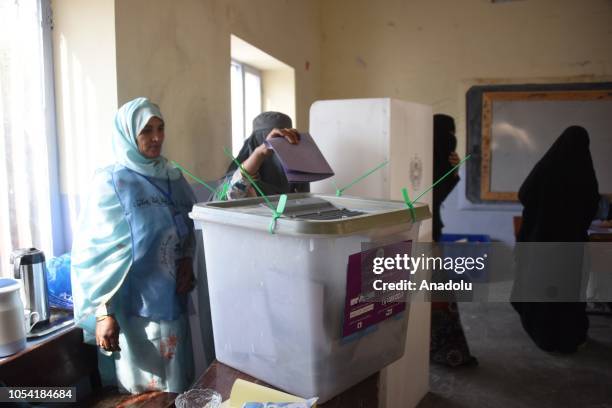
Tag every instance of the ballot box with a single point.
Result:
(285, 305)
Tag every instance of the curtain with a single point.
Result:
(25, 191)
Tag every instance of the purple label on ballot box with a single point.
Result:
(364, 306)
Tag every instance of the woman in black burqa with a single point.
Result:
(260, 161)
(448, 343)
(560, 199)
(445, 158)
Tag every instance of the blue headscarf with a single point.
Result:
(130, 119)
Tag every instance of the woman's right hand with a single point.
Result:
(107, 333)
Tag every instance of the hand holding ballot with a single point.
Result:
(278, 158)
(298, 154)
(289, 134)
(301, 162)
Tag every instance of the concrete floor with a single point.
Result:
(513, 372)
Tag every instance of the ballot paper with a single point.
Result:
(245, 392)
(302, 162)
(305, 404)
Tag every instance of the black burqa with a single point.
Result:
(271, 177)
(560, 199)
(445, 143)
(448, 344)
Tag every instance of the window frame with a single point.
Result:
(244, 69)
(59, 236)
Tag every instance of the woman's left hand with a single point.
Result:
(454, 160)
(185, 279)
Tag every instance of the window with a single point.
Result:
(259, 83)
(246, 101)
(29, 196)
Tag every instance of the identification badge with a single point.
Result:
(181, 225)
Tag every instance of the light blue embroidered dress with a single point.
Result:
(132, 231)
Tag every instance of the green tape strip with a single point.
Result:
(282, 201)
(340, 191)
(202, 182)
(221, 191)
(280, 208)
(222, 196)
(248, 176)
(409, 203)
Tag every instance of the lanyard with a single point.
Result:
(167, 194)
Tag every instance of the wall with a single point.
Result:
(85, 95)
(432, 51)
(279, 91)
(180, 56)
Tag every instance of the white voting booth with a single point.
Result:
(356, 135)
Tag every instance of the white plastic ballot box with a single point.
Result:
(279, 301)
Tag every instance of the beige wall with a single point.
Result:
(432, 51)
(178, 54)
(85, 87)
(279, 91)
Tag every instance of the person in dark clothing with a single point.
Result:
(560, 199)
(260, 161)
(566, 168)
(444, 158)
(448, 343)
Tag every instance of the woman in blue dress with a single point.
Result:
(132, 260)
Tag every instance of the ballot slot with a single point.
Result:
(315, 208)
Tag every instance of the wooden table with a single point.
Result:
(59, 359)
(221, 377)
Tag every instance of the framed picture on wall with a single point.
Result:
(510, 127)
